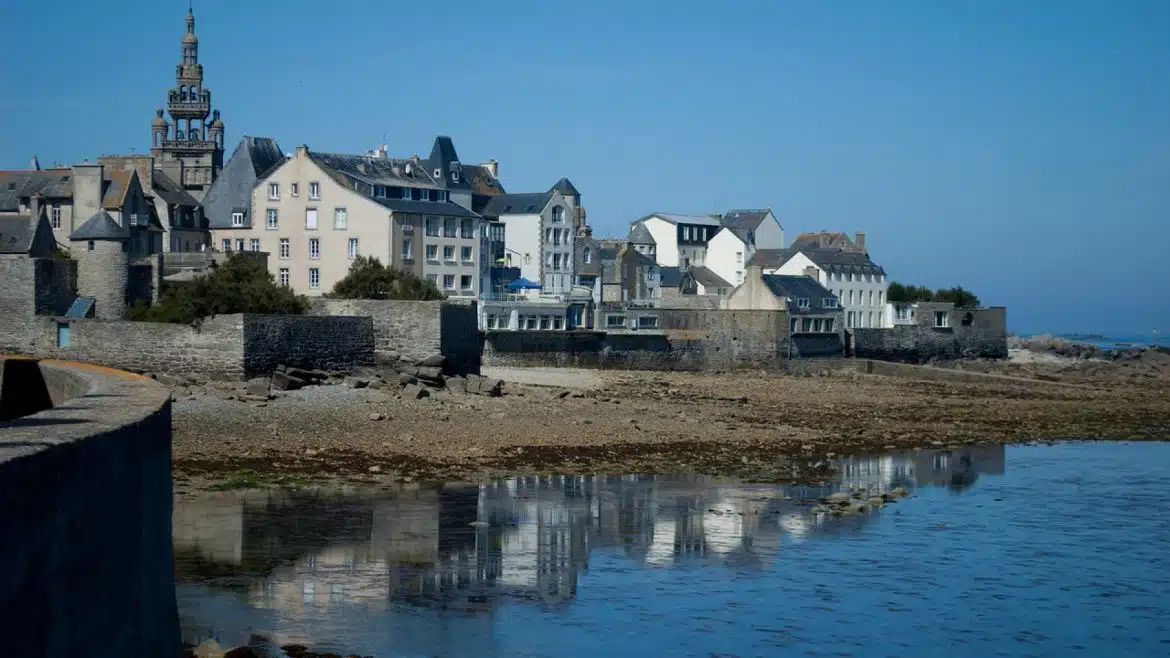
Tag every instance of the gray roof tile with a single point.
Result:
(748, 220)
(796, 287)
(16, 234)
(708, 278)
(704, 220)
(565, 187)
(170, 191)
(517, 204)
(100, 227)
(671, 276)
(832, 260)
(233, 189)
(52, 183)
(639, 234)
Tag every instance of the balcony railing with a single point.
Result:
(198, 108)
(190, 144)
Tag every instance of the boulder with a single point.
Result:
(431, 375)
(495, 389)
(377, 384)
(456, 384)
(257, 386)
(415, 392)
(473, 384)
(307, 376)
(433, 361)
(170, 381)
(839, 498)
(283, 381)
(405, 379)
(356, 382)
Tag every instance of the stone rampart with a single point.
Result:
(306, 341)
(85, 512)
(969, 333)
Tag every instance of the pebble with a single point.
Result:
(374, 415)
(375, 469)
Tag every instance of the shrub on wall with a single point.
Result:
(959, 296)
(239, 285)
(368, 278)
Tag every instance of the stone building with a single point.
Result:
(191, 154)
(34, 279)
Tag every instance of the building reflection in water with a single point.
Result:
(468, 547)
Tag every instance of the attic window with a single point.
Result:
(455, 177)
(530, 209)
(507, 209)
(64, 179)
(802, 302)
(438, 173)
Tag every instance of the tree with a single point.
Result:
(959, 296)
(239, 285)
(368, 278)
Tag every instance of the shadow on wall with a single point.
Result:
(23, 391)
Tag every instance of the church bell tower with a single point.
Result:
(188, 148)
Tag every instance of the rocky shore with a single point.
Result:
(398, 424)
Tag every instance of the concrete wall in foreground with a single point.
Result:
(971, 333)
(85, 513)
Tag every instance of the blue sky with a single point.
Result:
(1020, 149)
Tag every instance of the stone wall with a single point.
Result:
(415, 330)
(56, 285)
(971, 333)
(306, 341)
(17, 303)
(85, 511)
(687, 340)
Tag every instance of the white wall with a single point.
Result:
(770, 235)
(727, 256)
(862, 297)
(666, 236)
(522, 243)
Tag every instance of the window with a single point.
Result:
(465, 282)
(239, 244)
(284, 249)
(432, 252)
(465, 254)
(433, 278)
(274, 191)
(558, 214)
(802, 302)
(871, 298)
(849, 319)
(585, 255)
(433, 227)
(90, 245)
(273, 220)
(738, 257)
(406, 252)
(448, 253)
(849, 276)
(545, 322)
(380, 191)
(340, 219)
(941, 319)
(615, 321)
(56, 215)
(491, 321)
(352, 250)
(901, 312)
(829, 325)
(450, 229)
(255, 246)
(448, 282)
(647, 321)
(315, 191)
(817, 325)
(556, 263)
(284, 276)
(806, 325)
(850, 297)
(739, 276)
(314, 248)
(294, 189)
(686, 232)
(467, 228)
(530, 322)
(881, 298)
(314, 278)
(310, 219)
(226, 245)
(829, 302)
(237, 219)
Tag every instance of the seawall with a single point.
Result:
(85, 513)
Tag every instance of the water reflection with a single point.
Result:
(294, 555)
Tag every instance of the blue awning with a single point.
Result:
(523, 284)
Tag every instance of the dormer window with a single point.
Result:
(237, 219)
(438, 173)
(829, 302)
(455, 177)
(802, 302)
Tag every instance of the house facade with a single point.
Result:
(679, 240)
(812, 308)
(760, 227)
(543, 237)
(179, 214)
(317, 212)
(728, 254)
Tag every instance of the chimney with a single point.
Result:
(493, 167)
(860, 241)
(34, 207)
(302, 151)
(812, 273)
(87, 191)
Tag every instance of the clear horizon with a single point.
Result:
(1020, 150)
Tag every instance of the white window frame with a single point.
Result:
(55, 216)
(466, 254)
(314, 248)
(407, 248)
(255, 246)
(314, 278)
(237, 219)
(470, 282)
(448, 282)
(312, 219)
(284, 277)
(353, 249)
(802, 302)
(449, 249)
(272, 219)
(274, 191)
(314, 191)
(432, 252)
(340, 219)
(294, 189)
(285, 249)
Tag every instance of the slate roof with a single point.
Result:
(115, 185)
(447, 208)
(16, 234)
(704, 220)
(517, 204)
(748, 220)
(708, 278)
(565, 187)
(639, 234)
(643, 260)
(170, 191)
(671, 276)
(100, 227)
(253, 157)
(830, 260)
(795, 287)
(52, 183)
(474, 178)
(376, 170)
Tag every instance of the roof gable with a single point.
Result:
(517, 204)
(253, 157)
(565, 187)
(639, 234)
(100, 227)
(702, 220)
(794, 288)
(18, 234)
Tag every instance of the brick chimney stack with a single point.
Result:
(860, 241)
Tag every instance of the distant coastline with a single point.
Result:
(1110, 341)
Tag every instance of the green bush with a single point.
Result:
(959, 296)
(239, 285)
(368, 278)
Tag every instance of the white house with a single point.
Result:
(540, 231)
(729, 252)
(680, 240)
(859, 284)
(760, 226)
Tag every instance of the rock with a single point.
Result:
(877, 500)
(356, 382)
(456, 384)
(304, 375)
(257, 386)
(853, 508)
(169, 380)
(433, 361)
(839, 498)
(900, 492)
(310, 453)
(375, 469)
(242, 652)
(374, 415)
(258, 404)
(495, 390)
(562, 395)
(405, 379)
(415, 392)
(430, 374)
(208, 649)
(377, 384)
(283, 381)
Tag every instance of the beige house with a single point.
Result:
(314, 213)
